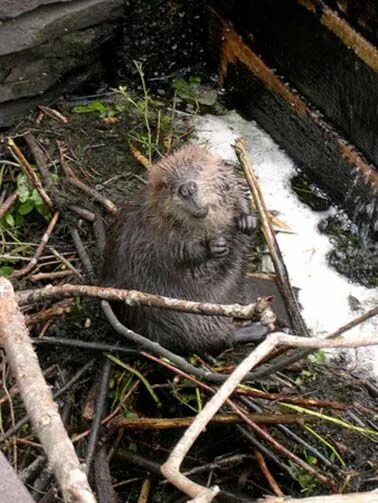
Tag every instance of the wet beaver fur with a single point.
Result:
(183, 235)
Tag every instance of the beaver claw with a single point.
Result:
(247, 223)
(218, 247)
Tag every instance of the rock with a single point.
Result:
(51, 21)
(12, 8)
(12, 111)
(34, 71)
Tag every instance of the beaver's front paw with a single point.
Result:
(247, 223)
(218, 247)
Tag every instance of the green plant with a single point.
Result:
(188, 90)
(103, 110)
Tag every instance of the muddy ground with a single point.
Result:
(96, 142)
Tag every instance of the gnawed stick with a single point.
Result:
(275, 252)
(171, 468)
(38, 401)
(134, 297)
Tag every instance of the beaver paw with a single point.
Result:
(218, 247)
(247, 223)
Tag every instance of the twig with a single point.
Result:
(41, 160)
(38, 400)
(82, 252)
(54, 114)
(269, 477)
(100, 407)
(40, 276)
(8, 203)
(102, 476)
(29, 172)
(100, 234)
(66, 262)
(105, 202)
(171, 122)
(134, 297)
(88, 346)
(145, 491)
(152, 423)
(82, 212)
(33, 262)
(58, 309)
(275, 252)
(139, 157)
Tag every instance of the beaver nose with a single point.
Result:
(188, 189)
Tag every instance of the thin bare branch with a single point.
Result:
(134, 297)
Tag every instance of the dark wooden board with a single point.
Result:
(361, 14)
(333, 66)
(309, 140)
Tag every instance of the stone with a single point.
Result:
(11, 111)
(52, 21)
(34, 71)
(13, 8)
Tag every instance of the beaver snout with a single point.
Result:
(188, 189)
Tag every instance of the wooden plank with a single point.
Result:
(11, 488)
(362, 15)
(309, 140)
(322, 56)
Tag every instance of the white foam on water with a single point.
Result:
(324, 293)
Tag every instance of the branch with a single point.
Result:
(38, 401)
(282, 275)
(134, 297)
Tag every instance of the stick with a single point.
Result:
(8, 203)
(38, 401)
(153, 423)
(134, 297)
(45, 238)
(275, 252)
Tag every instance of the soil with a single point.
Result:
(98, 151)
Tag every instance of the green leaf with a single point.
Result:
(6, 270)
(194, 80)
(36, 198)
(23, 188)
(9, 219)
(26, 207)
(94, 106)
(43, 210)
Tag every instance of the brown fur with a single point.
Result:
(159, 245)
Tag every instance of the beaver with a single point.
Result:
(185, 234)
